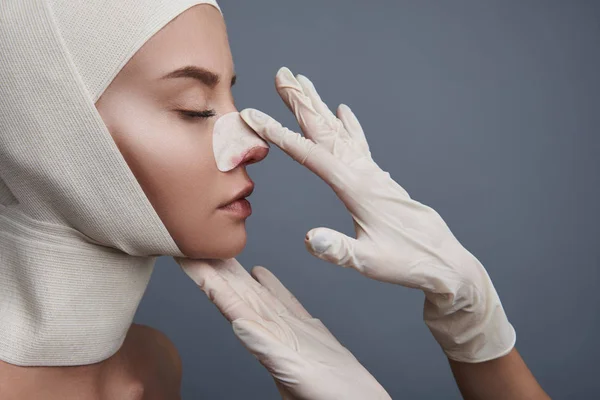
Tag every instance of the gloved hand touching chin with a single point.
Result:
(304, 358)
(398, 239)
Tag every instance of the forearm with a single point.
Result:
(503, 378)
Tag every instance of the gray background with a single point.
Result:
(488, 111)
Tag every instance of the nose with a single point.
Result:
(254, 155)
(234, 143)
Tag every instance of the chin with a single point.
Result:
(222, 247)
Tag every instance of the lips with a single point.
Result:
(243, 193)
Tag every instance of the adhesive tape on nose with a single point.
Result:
(232, 139)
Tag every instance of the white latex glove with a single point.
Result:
(304, 358)
(398, 239)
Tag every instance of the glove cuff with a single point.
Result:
(495, 341)
(476, 333)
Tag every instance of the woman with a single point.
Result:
(74, 264)
(105, 165)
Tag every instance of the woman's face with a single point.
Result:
(163, 127)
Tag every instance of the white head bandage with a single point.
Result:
(78, 237)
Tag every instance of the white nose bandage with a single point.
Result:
(232, 140)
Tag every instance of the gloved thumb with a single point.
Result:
(278, 359)
(335, 247)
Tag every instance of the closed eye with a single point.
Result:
(197, 114)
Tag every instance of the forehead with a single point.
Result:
(198, 36)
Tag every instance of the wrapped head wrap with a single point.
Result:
(78, 237)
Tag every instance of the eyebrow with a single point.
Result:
(205, 76)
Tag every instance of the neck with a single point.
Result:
(120, 376)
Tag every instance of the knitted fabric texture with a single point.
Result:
(78, 236)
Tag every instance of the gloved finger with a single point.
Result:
(253, 292)
(280, 360)
(217, 289)
(353, 127)
(313, 124)
(335, 247)
(274, 285)
(236, 275)
(319, 105)
(303, 150)
(342, 250)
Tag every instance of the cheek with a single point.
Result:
(174, 163)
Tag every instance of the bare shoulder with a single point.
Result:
(158, 342)
(156, 361)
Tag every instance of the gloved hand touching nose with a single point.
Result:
(304, 358)
(398, 239)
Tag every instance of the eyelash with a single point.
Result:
(204, 114)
